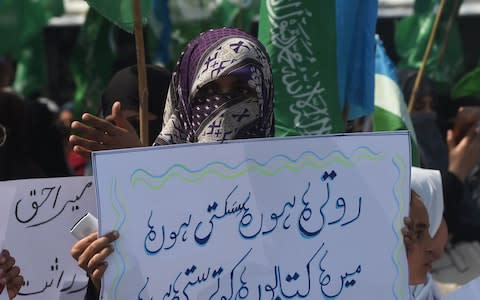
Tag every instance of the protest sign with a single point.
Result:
(7, 193)
(310, 217)
(42, 212)
(3, 290)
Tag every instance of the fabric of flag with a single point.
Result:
(92, 62)
(301, 40)
(237, 13)
(412, 33)
(390, 109)
(468, 85)
(160, 26)
(22, 20)
(191, 17)
(21, 27)
(120, 12)
(356, 23)
(31, 74)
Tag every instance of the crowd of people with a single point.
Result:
(183, 104)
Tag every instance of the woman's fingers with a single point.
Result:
(84, 129)
(96, 247)
(82, 151)
(89, 132)
(80, 246)
(118, 117)
(15, 286)
(3, 256)
(6, 266)
(87, 144)
(97, 275)
(99, 259)
(12, 274)
(100, 124)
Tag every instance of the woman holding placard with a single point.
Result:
(221, 90)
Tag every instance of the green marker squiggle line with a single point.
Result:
(123, 259)
(220, 171)
(399, 251)
(115, 226)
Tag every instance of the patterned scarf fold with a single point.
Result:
(190, 118)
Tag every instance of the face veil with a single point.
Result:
(216, 54)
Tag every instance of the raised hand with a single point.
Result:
(115, 132)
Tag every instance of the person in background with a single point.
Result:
(75, 162)
(44, 130)
(455, 156)
(16, 159)
(123, 87)
(122, 90)
(10, 279)
(6, 74)
(236, 100)
(66, 115)
(428, 232)
(119, 127)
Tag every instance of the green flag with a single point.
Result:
(390, 109)
(412, 33)
(92, 62)
(120, 12)
(21, 27)
(189, 18)
(10, 27)
(468, 86)
(22, 20)
(31, 75)
(236, 13)
(300, 38)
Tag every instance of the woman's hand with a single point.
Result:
(115, 132)
(464, 155)
(91, 253)
(9, 275)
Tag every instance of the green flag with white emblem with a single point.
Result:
(300, 37)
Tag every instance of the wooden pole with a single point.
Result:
(142, 73)
(448, 29)
(418, 79)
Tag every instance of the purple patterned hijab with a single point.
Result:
(190, 117)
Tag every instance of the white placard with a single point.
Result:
(307, 217)
(38, 234)
(7, 194)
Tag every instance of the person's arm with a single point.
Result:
(91, 253)
(452, 198)
(463, 156)
(9, 275)
(92, 292)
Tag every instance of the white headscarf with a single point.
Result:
(428, 185)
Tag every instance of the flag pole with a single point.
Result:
(426, 55)
(142, 73)
(453, 16)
